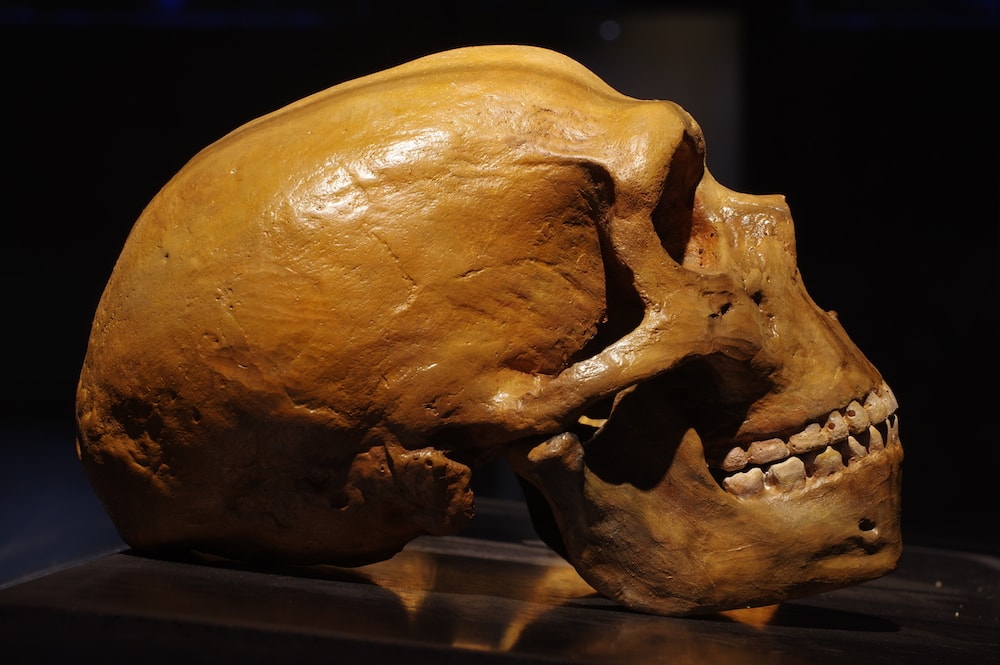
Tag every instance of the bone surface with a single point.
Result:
(328, 320)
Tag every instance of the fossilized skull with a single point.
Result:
(330, 318)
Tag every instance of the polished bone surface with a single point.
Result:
(332, 317)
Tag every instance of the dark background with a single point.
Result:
(877, 120)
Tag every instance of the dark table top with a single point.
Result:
(471, 600)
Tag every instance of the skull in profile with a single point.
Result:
(332, 317)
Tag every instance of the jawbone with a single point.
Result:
(646, 521)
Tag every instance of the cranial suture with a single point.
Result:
(329, 319)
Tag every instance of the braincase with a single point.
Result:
(401, 221)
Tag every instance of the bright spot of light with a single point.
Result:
(610, 30)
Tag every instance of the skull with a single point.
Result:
(329, 319)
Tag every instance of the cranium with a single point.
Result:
(330, 318)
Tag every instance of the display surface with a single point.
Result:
(329, 319)
(467, 600)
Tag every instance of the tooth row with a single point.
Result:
(854, 419)
(795, 471)
(817, 451)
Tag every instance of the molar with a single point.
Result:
(742, 484)
(825, 463)
(786, 475)
(771, 450)
(811, 438)
(734, 460)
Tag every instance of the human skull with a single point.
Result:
(331, 317)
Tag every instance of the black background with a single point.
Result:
(877, 120)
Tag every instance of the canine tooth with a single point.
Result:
(875, 440)
(893, 431)
(825, 463)
(856, 417)
(786, 475)
(877, 407)
(852, 449)
(748, 482)
(734, 460)
(811, 438)
(836, 426)
(771, 450)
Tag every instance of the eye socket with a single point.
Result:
(685, 236)
(675, 217)
(674, 231)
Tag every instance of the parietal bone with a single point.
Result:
(332, 317)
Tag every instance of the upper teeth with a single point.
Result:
(819, 450)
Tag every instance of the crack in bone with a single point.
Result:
(818, 451)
